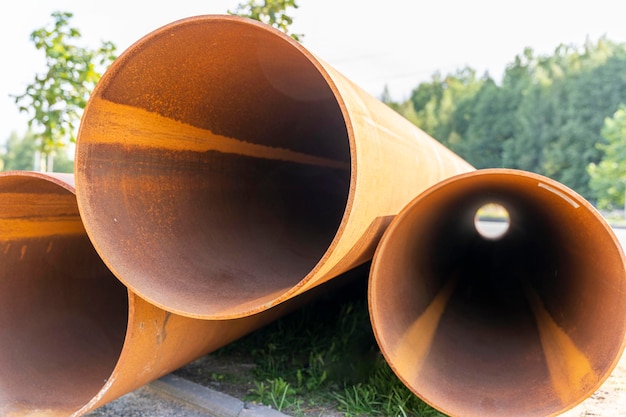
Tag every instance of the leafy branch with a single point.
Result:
(271, 12)
(56, 98)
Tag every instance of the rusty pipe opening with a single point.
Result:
(213, 153)
(73, 337)
(528, 323)
(63, 314)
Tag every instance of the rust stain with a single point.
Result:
(414, 346)
(27, 204)
(146, 129)
(37, 413)
(161, 334)
(31, 228)
(570, 371)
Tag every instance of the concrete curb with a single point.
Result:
(206, 400)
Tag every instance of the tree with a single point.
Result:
(435, 104)
(608, 177)
(550, 112)
(591, 91)
(56, 98)
(490, 123)
(20, 153)
(545, 116)
(271, 12)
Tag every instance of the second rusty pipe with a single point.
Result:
(72, 336)
(525, 322)
(222, 168)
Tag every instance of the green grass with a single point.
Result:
(323, 359)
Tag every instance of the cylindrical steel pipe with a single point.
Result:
(529, 323)
(73, 337)
(222, 168)
(62, 313)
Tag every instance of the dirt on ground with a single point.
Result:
(231, 375)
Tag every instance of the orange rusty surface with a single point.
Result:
(221, 168)
(73, 337)
(528, 324)
(62, 313)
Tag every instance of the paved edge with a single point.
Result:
(204, 399)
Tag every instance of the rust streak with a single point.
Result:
(151, 130)
(28, 228)
(162, 333)
(414, 346)
(569, 368)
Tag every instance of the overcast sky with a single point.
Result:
(398, 43)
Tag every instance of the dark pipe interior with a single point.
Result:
(194, 227)
(63, 315)
(487, 357)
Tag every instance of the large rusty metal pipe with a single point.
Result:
(72, 336)
(529, 323)
(221, 168)
(62, 313)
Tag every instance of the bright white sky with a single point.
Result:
(398, 43)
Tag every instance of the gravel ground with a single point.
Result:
(172, 396)
(146, 402)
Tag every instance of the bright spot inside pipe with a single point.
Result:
(492, 221)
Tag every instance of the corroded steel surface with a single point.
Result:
(221, 168)
(62, 313)
(73, 337)
(526, 325)
(159, 342)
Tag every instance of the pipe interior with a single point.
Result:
(533, 320)
(63, 315)
(214, 165)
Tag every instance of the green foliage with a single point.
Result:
(488, 124)
(545, 116)
(19, 153)
(436, 104)
(608, 177)
(278, 394)
(325, 356)
(271, 12)
(56, 98)
(382, 394)
(358, 400)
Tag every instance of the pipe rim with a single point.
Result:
(54, 379)
(298, 286)
(386, 245)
